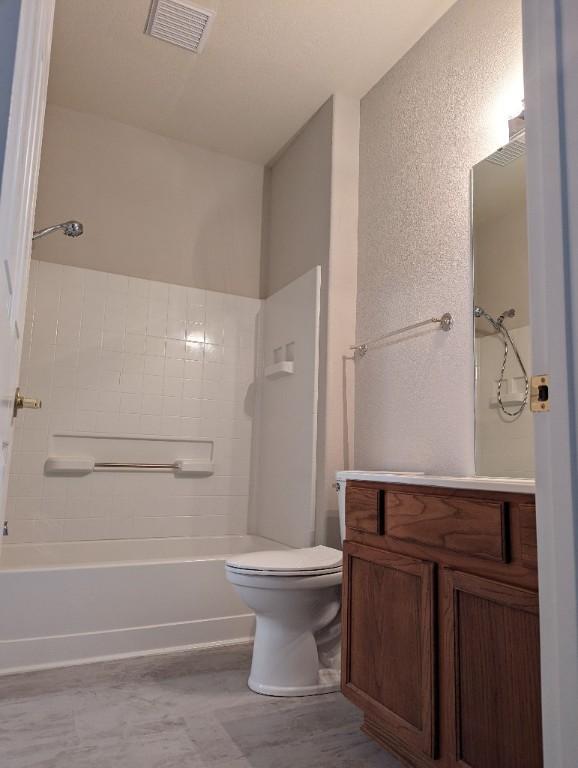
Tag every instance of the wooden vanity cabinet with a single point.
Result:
(492, 648)
(390, 617)
(440, 624)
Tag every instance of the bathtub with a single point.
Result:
(75, 602)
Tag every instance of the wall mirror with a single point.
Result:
(504, 439)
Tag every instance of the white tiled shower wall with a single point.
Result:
(110, 354)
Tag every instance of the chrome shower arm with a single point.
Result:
(69, 228)
(38, 233)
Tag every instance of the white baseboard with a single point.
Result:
(30, 654)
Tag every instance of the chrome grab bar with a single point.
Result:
(445, 322)
(85, 464)
(134, 465)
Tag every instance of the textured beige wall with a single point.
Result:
(439, 111)
(310, 201)
(299, 204)
(337, 421)
(152, 207)
(297, 237)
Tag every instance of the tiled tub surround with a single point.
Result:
(109, 354)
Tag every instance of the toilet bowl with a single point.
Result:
(296, 597)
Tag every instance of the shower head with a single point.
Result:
(69, 228)
(506, 313)
(481, 312)
(73, 229)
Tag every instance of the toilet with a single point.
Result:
(296, 597)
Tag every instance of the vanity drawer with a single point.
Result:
(460, 524)
(364, 509)
(528, 535)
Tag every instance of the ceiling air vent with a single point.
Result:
(180, 23)
(512, 151)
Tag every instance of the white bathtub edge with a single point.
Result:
(39, 653)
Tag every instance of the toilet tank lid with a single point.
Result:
(296, 560)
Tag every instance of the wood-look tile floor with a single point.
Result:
(186, 710)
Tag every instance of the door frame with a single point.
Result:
(18, 188)
(550, 54)
(24, 142)
(552, 114)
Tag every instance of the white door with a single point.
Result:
(551, 75)
(17, 203)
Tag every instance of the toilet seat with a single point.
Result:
(310, 561)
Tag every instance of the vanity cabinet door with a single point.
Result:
(491, 656)
(388, 654)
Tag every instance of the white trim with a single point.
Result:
(238, 641)
(551, 115)
(35, 653)
(18, 199)
(24, 142)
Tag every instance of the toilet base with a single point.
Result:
(296, 651)
(329, 682)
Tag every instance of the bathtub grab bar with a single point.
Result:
(83, 465)
(134, 465)
(180, 467)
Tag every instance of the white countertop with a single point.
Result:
(504, 484)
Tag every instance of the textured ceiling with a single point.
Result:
(268, 65)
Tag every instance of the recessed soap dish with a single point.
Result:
(277, 370)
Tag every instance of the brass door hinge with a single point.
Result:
(540, 393)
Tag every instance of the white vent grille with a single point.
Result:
(509, 153)
(180, 23)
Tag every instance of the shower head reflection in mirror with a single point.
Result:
(498, 325)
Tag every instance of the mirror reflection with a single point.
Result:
(504, 439)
